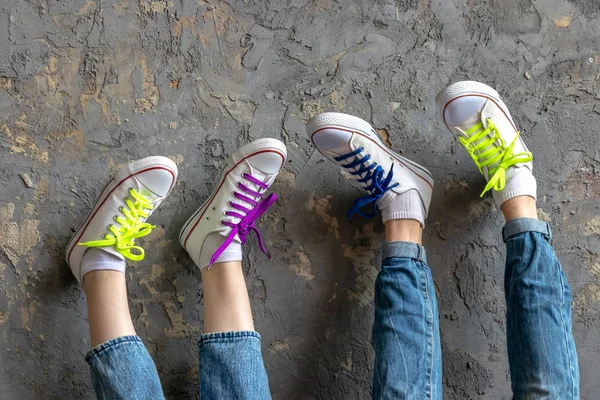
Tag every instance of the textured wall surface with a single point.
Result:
(87, 85)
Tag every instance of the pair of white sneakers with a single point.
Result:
(472, 111)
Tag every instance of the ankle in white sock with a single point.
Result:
(95, 259)
(407, 205)
(233, 252)
(522, 183)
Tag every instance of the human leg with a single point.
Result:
(541, 349)
(406, 328)
(230, 360)
(119, 363)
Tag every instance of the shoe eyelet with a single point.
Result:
(130, 189)
(115, 218)
(110, 226)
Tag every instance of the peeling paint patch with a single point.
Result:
(543, 215)
(287, 178)
(592, 261)
(592, 226)
(322, 208)
(362, 255)
(338, 100)
(149, 89)
(347, 363)
(157, 270)
(562, 22)
(29, 209)
(385, 136)
(310, 108)
(156, 7)
(590, 294)
(278, 346)
(304, 266)
(17, 239)
(178, 159)
(20, 143)
(5, 83)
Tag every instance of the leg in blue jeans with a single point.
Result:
(122, 369)
(230, 359)
(120, 365)
(231, 366)
(406, 335)
(541, 349)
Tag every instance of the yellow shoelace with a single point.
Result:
(130, 228)
(496, 157)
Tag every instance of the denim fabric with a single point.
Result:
(231, 367)
(122, 369)
(406, 338)
(541, 349)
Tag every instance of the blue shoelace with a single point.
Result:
(379, 185)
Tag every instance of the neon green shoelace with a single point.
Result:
(485, 152)
(130, 228)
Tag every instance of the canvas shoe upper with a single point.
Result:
(354, 145)
(475, 113)
(120, 213)
(237, 202)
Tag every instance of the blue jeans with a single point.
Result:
(541, 350)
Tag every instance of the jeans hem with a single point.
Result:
(224, 337)
(106, 346)
(404, 250)
(521, 225)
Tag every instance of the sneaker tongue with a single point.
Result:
(341, 150)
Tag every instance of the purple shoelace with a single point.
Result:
(247, 216)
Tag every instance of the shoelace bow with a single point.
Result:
(496, 158)
(130, 227)
(373, 172)
(247, 216)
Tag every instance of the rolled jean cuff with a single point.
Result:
(404, 250)
(227, 337)
(521, 225)
(120, 341)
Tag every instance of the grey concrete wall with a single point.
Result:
(87, 85)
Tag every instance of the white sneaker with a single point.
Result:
(237, 202)
(119, 216)
(354, 145)
(475, 113)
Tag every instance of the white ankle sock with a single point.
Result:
(522, 183)
(95, 259)
(212, 242)
(407, 205)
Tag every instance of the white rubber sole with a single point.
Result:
(134, 168)
(258, 146)
(355, 124)
(469, 88)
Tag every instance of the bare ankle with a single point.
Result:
(519, 207)
(403, 230)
